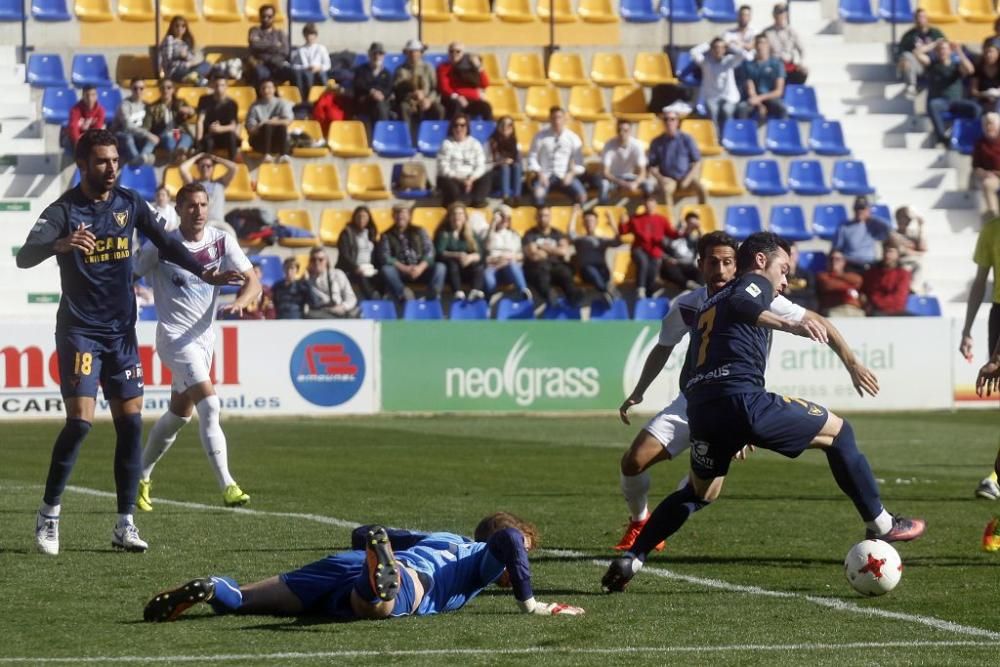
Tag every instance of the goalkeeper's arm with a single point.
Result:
(507, 546)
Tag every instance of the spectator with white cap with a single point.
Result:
(415, 88)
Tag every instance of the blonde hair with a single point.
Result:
(499, 520)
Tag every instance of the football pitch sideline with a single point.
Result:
(757, 578)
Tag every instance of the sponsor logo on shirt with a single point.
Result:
(753, 290)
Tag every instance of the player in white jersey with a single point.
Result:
(185, 338)
(666, 435)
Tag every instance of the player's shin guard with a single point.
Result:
(853, 474)
(667, 519)
(227, 597)
(161, 437)
(635, 488)
(64, 454)
(128, 461)
(213, 440)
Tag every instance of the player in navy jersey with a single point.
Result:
(723, 381)
(90, 231)
(387, 573)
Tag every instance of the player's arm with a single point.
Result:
(247, 295)
(146, 260)
(174, 251)
(988, 380)
(862, 378)
(508, 547)
(48, 237)
(655, 362)
(976, 294)
(806, 328)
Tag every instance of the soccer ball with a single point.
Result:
(873, 567)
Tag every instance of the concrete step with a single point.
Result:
(876, 158)
(21, 128)
(11, 74)
(23, 109)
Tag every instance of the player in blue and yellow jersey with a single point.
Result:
(728, 408)
(388, 573)
(90, 230)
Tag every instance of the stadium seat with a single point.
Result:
(244, 96)
(382, 217)
(131, 66)
(801, 102)
(561, 310)
(276, 182)
(644, 131)
(686, 71)
(739, 137)
(827, 218)
(719, 178)
(348, 11)
(366, 182)
(251, 9)
(596, 11)
(390, 10)
(398, 192)
(684, 11)
(45, 70)
(703, 133)
(190, 95)
(491, 65)
(789, 222)
(895, 11)
(586, 103)
(974, 11)
(558, 11)
(186, 8)
(289, 92)
(609, 69)
(603, 131)
(719, 11)
(525, 69)
(314, 131)
(472, 11)
(882, 212)
(142, 179)
(432, 11)
(321, 182)
(857, 11)
(826, 137)
(297, 219)
(525, 131)
(469, 310)
(812, 260)
(481, 130)
(653, 68)
(965, 132)
(539, 100)
(391, 138)
(515, 309)
(763, 178)
(941, 11)
(706, 214)
(110, 99)
(56, 105)
(93, 11)
(638, 11)
(382, 309)
(305, 11)
(428, 218)
(622, 269)
(423, 310)
(431, 135)
(851, 178)
(136, 11)
(347, 138)
(575, 125)
(172, 180)
(222, 11)
(602, 311)
(629, 103)
(270, 268)
(783, 138)
(523, 219)
(514, 11)
(503, 100)
(651, 308)
(50, 11)
(923, 306)
(331, 222)
(240, 188)
(566, 70)
(805, 177)
(742, 221)
(90, 69)
(393, 61)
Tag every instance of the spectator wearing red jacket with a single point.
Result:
(461, 81)
(887, 284)
(329, 107)
(85, 115)
(839, 290)
(652, 232)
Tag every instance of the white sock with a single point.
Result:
(635, 488)
(882, 523)
(161, 436)
(125, 520)
(50, 510)
(213, 440)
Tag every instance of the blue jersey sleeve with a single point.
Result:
(40, 244)
(751, 298)
(170, 248)
(507, 546)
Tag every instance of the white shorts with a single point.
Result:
(670, 427)
(190, 362)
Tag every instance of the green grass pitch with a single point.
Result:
(780, 532)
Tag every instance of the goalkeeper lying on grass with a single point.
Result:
(387, 573)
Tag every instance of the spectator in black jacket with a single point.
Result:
(373, 87)
(356, 253)
(291, 293)
(407, 255)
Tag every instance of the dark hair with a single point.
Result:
(714, 240)
(264, 8)
(554, 109)
(88, 87)
(260, 85)
(501, 146)
(623, 121)
(761, 38)
(309, 29)
(187, 37)
(768, 243)
(92, 138)
(454, 119)
(189, 189)
(742, 7)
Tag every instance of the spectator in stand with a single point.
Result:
(87, 114)
(459, 250)
(504, 257)
(652, 233)
(329, 107)
(675, 162)
(505, 156)
(921, 39)
(462, 80)
(680, 256)
(356, 251)
(291, 293)
(205, 163)
(986, 163)
(330, 295)
(856, 238)
(786, 45)
(886, 285)
(839, 290)
(623, 166)
(801, 283)
(556, 157)
(269, 50)
(985, 84)
(945, 90)
(310, 62)
(910, 239)
(262, 308)
(373, 88)
(407, 254)
(764, 81)
(168, 118)
(718, 92)
(461, 166)
(179, 59)
(135, 142)
(591, 256)
(415, 88)
(267, 123)
(742, 36)
(218, 126)
(165, 208)
(546, 261)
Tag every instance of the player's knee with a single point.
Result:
(77, 428)
(644, 452)
(698, 499)
(844, 440)
(209, 409)
(129, 425)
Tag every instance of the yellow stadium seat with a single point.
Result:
(560, 217)
(299, 219)
(252, 10)
(186, 8)
(647, 130)
(472, 11)
(603, 131)
(331, 223)
(587, 103)
(539, 100)
(977, 11)
(629, 102)
(348, 138)
(240, 188)
(525, 69)
(244, 96)
(623, 271)
(705, 212)
(653, 68)
(152, 91)
(605, 227)
(576, 127)
(366, 182)
(321, 181)
(314, 93)
(704, 134)
(525, 131)
(222, 11)
(93, 10)
(597, 11)
(566, 69)
(608, 69)
(491, 65)
(503, 100)
(382, 217)
(560, 10)
(302, 262)
(135, 66)
(719, 178)
(514, 11)
(191, 94)
(432, 11)
(172, 180)
(136, 11)
(311, 129)
(523, 219)
(290, 93)
(938, 11)
(428, 218)
(276, 182)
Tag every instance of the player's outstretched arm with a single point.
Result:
(247, 294)
(48, 238)
(508, 547)
(806, 328)
(655, 362)
(863, 379)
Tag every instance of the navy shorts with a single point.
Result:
(88, 359)
(720, 428)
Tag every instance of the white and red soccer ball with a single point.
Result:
(873, 567)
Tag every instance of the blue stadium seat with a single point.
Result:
(110, 99)
(826, 137)
(393, 61)
(56, 105)
(923, 306)
(469, 310)
(783, 138)
(789, 222)
(482, 130)
(602, 311)
(381, 309)
(561, 310)
(805, 177)
(397, 172)
(304, 11)
(882, 212)
(348, 11)
(684, 11)
(827, 218)
(742, 221)
(686, 71)
(515, 309)
(651, 308)
(270, 268)
(50, 10)
(851, 178)
(718, 11)
(812, 260)
(857, 11)
(436, 58)
(423, 310)
(430, 136)
(390, 10)
(763, 178)
(801, 102)
(45, 70)
(391, 138)
(895, 11)
(142, 179)
(965, 132)
(147, 313)
(739, 137)
(11, 10)
(90, 68)
(638, 11)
